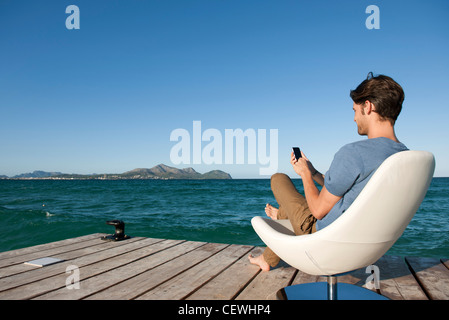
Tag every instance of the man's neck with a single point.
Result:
(382, 129)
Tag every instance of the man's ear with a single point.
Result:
(369, 107)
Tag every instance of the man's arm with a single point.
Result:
(320, 203)
(317, 177)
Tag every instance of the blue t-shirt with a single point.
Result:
(352, 167)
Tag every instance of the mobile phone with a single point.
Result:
(297, 152)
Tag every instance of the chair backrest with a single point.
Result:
(387, 203)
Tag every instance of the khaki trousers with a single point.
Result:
(292, 206)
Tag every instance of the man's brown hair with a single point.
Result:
(382, 91)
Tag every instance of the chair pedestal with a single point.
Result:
(329, 290)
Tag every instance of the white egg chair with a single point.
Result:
(360, 236)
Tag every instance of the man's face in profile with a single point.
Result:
(360, 119)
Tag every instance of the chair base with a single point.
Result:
(318, 291)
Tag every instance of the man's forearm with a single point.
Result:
(312, 194)
(320, 202)
(318, 177)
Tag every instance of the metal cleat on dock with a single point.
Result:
(119, 231)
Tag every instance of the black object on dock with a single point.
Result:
(119, 231)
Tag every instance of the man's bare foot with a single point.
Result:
(271, 211)
(260, 261)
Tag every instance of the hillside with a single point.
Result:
(163, 171)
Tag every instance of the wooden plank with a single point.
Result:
(92, 246)
(445, 262)
(432, 275)
(121, 273)
(230, 282)
(396, 280)
(386, 286)
(167, 268)
(266, 284)
(182, 285)
(389, 267)
(302, 277)
(52, 251)
(110, 249)
(105, 260)
(46, 246)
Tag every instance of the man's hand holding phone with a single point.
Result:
(299, 162)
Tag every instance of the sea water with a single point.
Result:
(40, 211)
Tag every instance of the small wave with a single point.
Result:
(48, 214)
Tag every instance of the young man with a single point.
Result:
(377, 102)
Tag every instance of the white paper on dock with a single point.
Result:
(42, 262)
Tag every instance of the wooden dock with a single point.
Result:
(147, 268)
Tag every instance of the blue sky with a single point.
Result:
(105, 98)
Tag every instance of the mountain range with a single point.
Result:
(160, 171)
